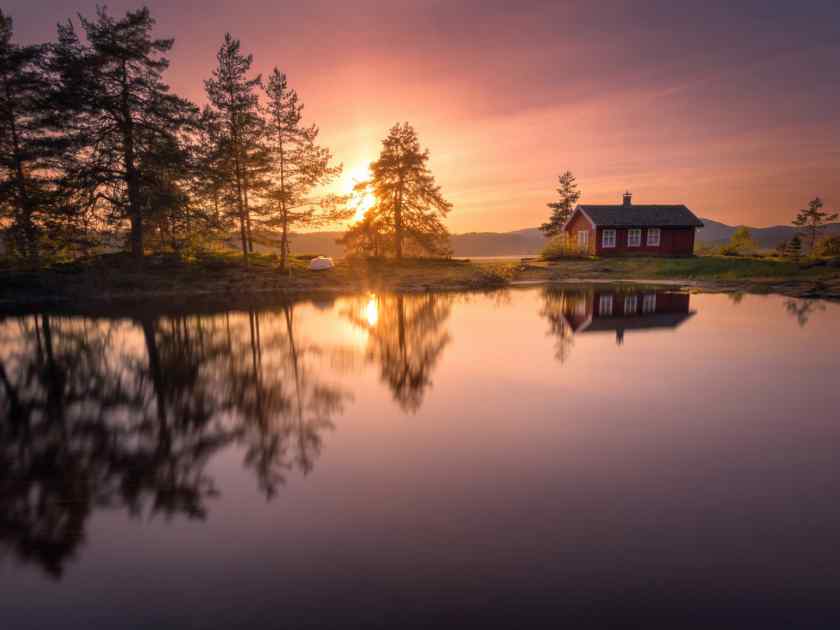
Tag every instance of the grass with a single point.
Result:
(225, 273)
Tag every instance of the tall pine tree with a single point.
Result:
(118, 111)
(26, 150)
(300, 165)
(562, 209)
(233, 98)
(408, 200)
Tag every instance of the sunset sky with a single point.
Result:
(732, 111)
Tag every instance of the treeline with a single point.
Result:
(96, 149)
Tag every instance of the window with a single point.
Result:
(608, 238)
(649, 303)
(634, 237)
(605, 305)
(631, 304)
(583, 239)
(653, 237)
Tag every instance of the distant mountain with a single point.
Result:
(526, 242)
(715, 233)
(518, 243)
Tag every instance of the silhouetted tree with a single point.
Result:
(117, 111)
(409, 204)
(299, 166)
(233, 99)
(562, 209)
(812, 221)
(27, 193)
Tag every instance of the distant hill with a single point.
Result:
(530, 241)
(525, 242)
(715, 233)
(518, 243)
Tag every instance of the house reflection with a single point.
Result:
(573, 312)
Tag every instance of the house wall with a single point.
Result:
(672, 242)
(580, 222)
(666, 302)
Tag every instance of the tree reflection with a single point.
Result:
(406, 338)
(802, 310)
(127, 415)
(557, 305)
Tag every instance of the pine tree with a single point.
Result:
(116, 110)
(234, 100)
(794, 248)
(812, 221)
(408, 200)
(26, 151)
(562, 209)
(299, 166)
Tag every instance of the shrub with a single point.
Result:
(828, 247)
(560, 247)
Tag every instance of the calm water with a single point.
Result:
(644, 459)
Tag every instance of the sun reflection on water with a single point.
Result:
(371, 310)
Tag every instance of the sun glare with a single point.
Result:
(361, 203)
(371, 311)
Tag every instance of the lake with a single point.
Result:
(596, 455)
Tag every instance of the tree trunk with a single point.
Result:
(247, 209)
(135, 214)
(398, 226)
(284, 239)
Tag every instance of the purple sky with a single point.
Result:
(732, 111)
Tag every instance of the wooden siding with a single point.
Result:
(672, 242)
(580, 223)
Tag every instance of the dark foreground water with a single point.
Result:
(595, 457)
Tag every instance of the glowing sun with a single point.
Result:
(360, 202)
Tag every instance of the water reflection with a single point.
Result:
(572, 311)
(127, 411)
(803, 310)
(127, 414)
(406, 339)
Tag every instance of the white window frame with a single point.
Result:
(634, 237)
(583, 239)
(649, 303)
(654, 237)
(608, 239)
(631, 304)
(605, 305)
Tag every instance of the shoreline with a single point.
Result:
(223, 279)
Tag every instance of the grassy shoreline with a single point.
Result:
(221, 275)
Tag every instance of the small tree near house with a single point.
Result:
(562, 209)
(812, 221)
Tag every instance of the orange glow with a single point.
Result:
(361, 202)
(371, 311)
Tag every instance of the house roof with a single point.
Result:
(637, 322)
(641, 216)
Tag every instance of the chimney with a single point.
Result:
(628, 197)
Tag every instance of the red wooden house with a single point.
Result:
(628, 230)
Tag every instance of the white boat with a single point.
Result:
(320, 263)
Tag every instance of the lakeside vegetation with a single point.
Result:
(226, 275)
